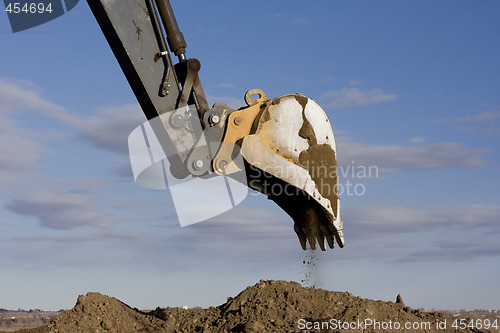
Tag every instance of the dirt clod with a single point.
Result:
(399, 300)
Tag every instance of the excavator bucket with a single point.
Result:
(292, 152)
(289, 150)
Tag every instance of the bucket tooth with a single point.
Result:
(302, 236)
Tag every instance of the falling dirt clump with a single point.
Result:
(311, 270)
(268, 306)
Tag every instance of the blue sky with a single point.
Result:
(411, 88)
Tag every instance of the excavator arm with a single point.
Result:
(135, 33)
(287, 143)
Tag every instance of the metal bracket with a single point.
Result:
(191, 88)
(239, 125)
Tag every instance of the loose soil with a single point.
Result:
(268, 306)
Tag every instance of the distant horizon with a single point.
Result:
(216, 305)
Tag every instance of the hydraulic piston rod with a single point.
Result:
(175, 38)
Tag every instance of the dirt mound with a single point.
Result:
(268, 306)
(98, 313)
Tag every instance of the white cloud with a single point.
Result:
(106, 128)
(393, 157)
(355, 82)
(225, 85)
(328, 79)
(485, 122)
(463, 248)
(82, 249)
(352, 96)
(398, 233)
(232, 102)
(21, 95)
(397, 219)
(107, 235)
(302, 21)
(417, 139)
(249, 223)
(480, 117)
(20, 148)
(239, 230)
(61, 210)
(383, 233)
